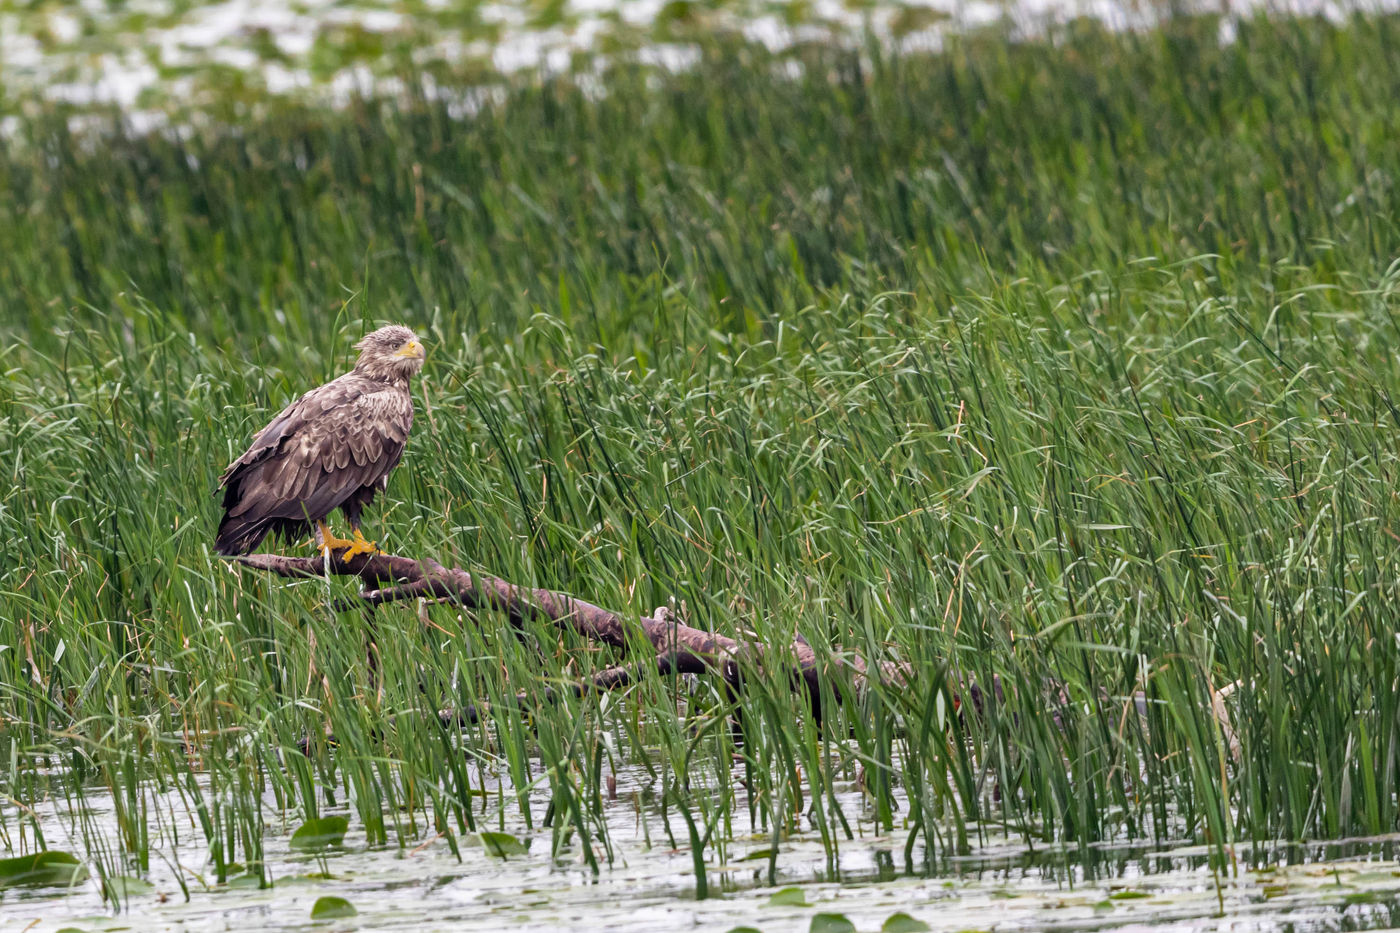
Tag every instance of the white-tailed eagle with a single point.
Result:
(331, 449)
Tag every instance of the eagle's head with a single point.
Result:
(391, 353)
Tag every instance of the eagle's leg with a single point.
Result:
(328, 543)
(359, 546)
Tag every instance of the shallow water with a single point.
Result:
(998, 885)
(146, 54)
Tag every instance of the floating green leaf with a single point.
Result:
(332, 908)
(902, 923)
(320, 833)
(311, 877)
(128, 886)
(745, 930)
(42, 868)
(1128, 895)
(832, 923)
(788, 897)
(502, 845)
(757, 855)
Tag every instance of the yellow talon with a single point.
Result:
(359, 546)
(347, 548)
(327, 542)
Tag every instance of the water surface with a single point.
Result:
(1000, 884)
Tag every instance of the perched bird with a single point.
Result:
(332, 448)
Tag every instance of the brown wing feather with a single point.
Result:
(320, 453)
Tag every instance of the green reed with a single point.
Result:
(1065, 364)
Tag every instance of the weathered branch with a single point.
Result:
(679, 648)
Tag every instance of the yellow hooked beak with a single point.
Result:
(412, 350)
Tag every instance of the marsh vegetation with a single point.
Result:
(1067, 364)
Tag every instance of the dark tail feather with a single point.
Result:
(240, 535)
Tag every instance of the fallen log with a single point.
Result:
(678, 648)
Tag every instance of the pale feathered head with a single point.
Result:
(391, 353)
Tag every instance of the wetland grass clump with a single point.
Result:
(1065, 365)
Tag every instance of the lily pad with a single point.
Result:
(1128, 895)
(757, 855)
(311, 877)
(332, 908)
(745, 930)
(320, 834)
(129, 886)
(832, 923)
(788, 897)
(902, 923)
(42, 868)
(1363, 897)
(501, 845)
